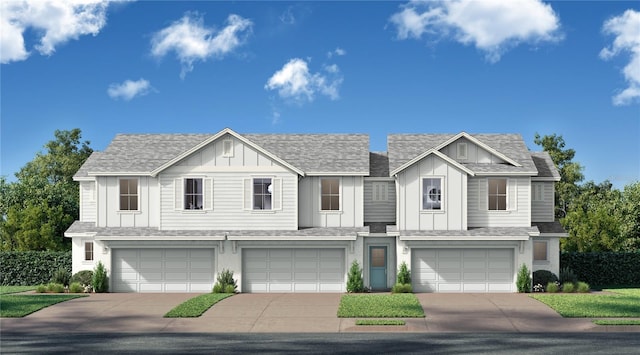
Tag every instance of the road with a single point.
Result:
(372, 343)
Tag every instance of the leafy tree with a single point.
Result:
(630, 227)
(44, 201)
(570, 171)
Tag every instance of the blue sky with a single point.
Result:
(570, 68)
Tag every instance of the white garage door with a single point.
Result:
(163, 270)
(462, 270)
(293, 270)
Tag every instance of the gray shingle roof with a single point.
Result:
(378, 164)
(545, 165)
(314, 153)
(405, 147)
(549, 227)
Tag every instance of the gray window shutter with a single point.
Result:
(208, 194)
(276, 195)
(248, 203)
(177, 193)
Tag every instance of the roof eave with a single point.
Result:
(481, 144)
(427, 153)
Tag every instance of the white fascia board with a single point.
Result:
(553, 235)
(215, 137)
(388, 179)
(122, 173)
(476, 141)
(437, 153)
(502, 173)
(84, 178)
(337, 173)
(464, 238)
(293, 238)
(80, 235)
(547, 178)
(168, 238)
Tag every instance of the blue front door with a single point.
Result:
(378, 268)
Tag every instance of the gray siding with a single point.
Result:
(519, 204)
(351, 213)
(475, 154)
(88, 205)
(379, 211)
(109, 214)
(543, 211)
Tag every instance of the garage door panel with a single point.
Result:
(256, 264)
(182, 264)
(500, 276)
(305, 264)
(281, 253)
(151, 253)
(281, 276)
(280, 264)
(280, 287)
(449, 287)
(153, 275)
(331, 276)
(474, 287)
(176, 253)
(306, 253)
(305, 276)
(150, 264)
(474, 276)
(474, 264)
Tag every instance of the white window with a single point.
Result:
(330, 194)
(227, 148)
(262, 194)
(128, 194)
(540, 250)
(432, 194)
(537, 191)
(461, 151)
(497, 194)
(193, 194)
(88, 251)
(379, 192)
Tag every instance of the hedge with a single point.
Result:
(604, 268)
(28, 268)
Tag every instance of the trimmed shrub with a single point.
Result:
(355, 283)
(553, 287)
(83, 277)
(583, 287)
(543, 277)
(76, 287)
(100, 280)
(568, 287)
(41, 289)
(404, 275)
(402, 288)
(523, 282)
(567, 276)
(604, 268)
(61, 276)
(26, 268)
(55, 287)
(225, 283)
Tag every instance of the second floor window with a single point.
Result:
(193, 194)
(497, 194)
(432, 194)
(330, 194)
(128, 194)
(262, 193)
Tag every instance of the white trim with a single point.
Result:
(340, 193)
(442, 193)
(87, 178)
(293, 238)
(463, 238)
(535, 178)
(138, 209)
(437, 153)
(143, 239)
(507, 207)
(505, 173)
(123, 173)
(388, 179)
(274, 194)
(337, 173)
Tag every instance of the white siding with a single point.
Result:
(454, 210)
(109, 214)
(351, 213)
(543, 211)
(475, 154)
(88, 206)
(379, 211)
(518, 213)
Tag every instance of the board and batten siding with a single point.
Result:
(543, 210)
(88, 205)
(453, 215)
(351, 213)
(381, 210)
(109, 214)
(518, 213)
(475, 154)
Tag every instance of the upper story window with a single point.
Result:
(330, 194)
(379, 192)
(462, 151)
(432, 194)
(497, 194)
(193, 194)
(537, 191)
(262, 193)
(540, 250)
(88, 251)
(227, 148)
(128, 194)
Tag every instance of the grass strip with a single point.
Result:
(16, 306)
(624, 303)
(5, 290)
(401, 305)
(380, 322)
(194, 307)
(617, 321)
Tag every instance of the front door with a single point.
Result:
(378, 268)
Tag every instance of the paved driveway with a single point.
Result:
(302, 313)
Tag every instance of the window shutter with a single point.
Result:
(482, 194)
(276, 195)
(512, 194)
(247, 194)
(208, 194)
(177, 194)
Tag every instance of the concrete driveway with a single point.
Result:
(293, 313)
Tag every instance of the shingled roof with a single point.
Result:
(544, 164)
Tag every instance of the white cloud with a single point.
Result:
(492, 26)
(192, 41)
(55, 22)
(129, 89)
(338, 52)
(295, 81)
(626, 29)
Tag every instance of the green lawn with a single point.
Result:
(16, 306)
(194, 307)
(15, 289)
(624, 303)
(380, 305)
(380, 322)
(617, 321)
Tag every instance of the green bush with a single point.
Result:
(83, 277)
(568, 287)
(55, 287)
(61, 276)
(402, 288)
(76, 287)
(567, 276)
(543, 277)
(523, 282)
(355, 283)
(583, 287)
(25, 268)
(225, 283)
(404, 275)
(100, 280)
(604, 268)
(41, 289)
(553, 287)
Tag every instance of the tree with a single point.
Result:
(570, 171)
(44, 201)
(630, 227)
